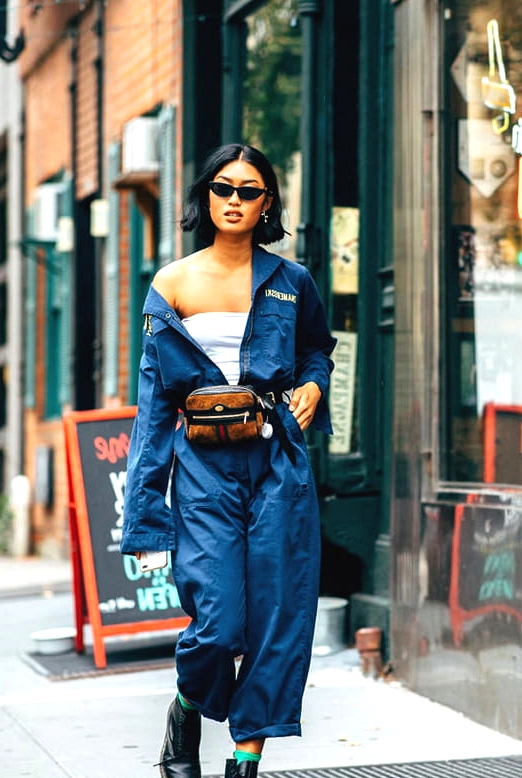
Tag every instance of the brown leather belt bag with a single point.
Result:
(223, 414)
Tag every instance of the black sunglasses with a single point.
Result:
(221, 189)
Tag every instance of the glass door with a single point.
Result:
(264, 109)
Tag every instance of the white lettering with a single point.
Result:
(291, 298)
(118, 481)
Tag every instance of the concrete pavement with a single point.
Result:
(33, 575)
(113, 724)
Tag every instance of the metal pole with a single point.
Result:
(306, 249)
(98, 242)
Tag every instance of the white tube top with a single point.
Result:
(219, 334)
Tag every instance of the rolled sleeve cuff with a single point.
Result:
(147, 541)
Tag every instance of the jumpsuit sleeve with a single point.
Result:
(314, 344)
(147, 519)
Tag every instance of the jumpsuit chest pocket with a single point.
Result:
(276, 322)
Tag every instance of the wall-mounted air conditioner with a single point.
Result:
(140, 145)
(47, 211)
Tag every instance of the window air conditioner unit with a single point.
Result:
(140, 145)
(46, 211)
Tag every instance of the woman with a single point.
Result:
(243, 520)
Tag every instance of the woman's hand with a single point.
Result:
(304, 402)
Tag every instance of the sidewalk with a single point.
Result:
(32, 575)
(113, 725)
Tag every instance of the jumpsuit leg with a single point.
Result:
(283, 557)
(209, 571)
(247, 570)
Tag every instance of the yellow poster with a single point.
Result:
(345, 250)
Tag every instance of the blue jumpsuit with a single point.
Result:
(243, 520)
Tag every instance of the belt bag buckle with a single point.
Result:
(223, 414)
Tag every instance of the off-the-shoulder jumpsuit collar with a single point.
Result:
(263, 266)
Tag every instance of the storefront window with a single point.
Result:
(272, 102)
(272, 107)
(344, 231)
(482, 300)
(345, 288)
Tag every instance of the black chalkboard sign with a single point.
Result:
(110, 590)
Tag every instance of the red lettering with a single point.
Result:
(100, 444)
(112, 449)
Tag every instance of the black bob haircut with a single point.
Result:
(196, 215)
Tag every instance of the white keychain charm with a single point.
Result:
(267, 430)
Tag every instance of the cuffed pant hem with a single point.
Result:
(205, 712)
(274, 730)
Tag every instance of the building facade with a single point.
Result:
(99, 148)
(394, 129)
(11, 289)
(457, 476)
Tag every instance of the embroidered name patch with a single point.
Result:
(290, 298)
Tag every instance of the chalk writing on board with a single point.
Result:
(124, 592)
(498, 577)
(112, 449)
(117, 481)
(110, 591)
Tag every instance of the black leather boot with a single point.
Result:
(179, 756)
(245, 769)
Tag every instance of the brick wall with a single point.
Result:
(48, 123)
(44, 25)
(86, 149)
(142, 58)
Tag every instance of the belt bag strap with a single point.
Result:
(269, 401)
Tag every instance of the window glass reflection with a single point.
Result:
(272, 102)
(483, 279)
(344, 232)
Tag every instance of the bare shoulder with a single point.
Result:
(170, 278)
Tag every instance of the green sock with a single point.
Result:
(185, 704)
(246, 756)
